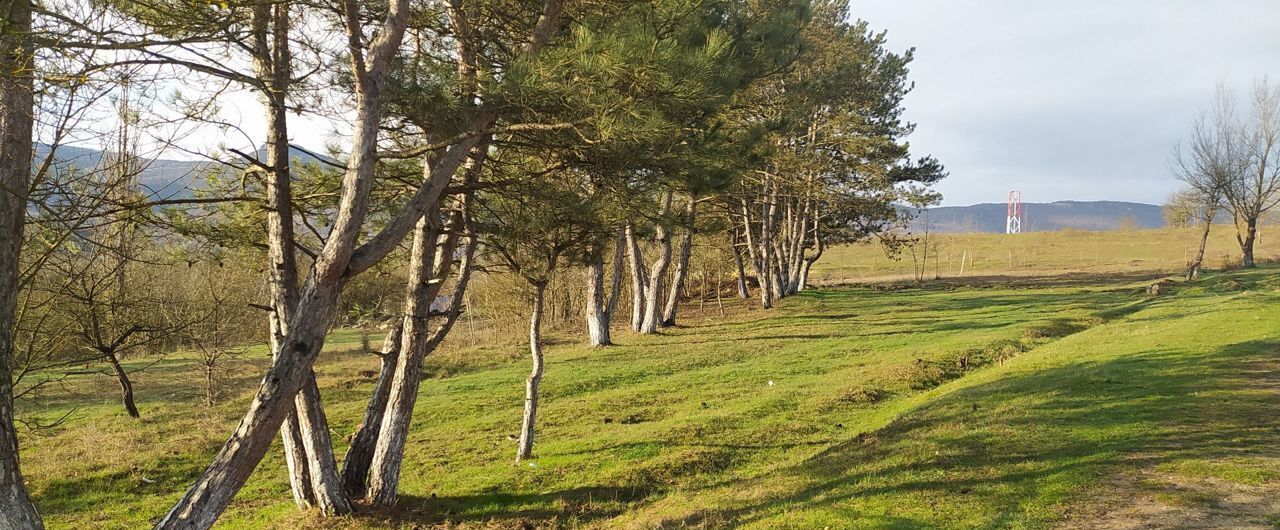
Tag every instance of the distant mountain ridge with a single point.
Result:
(162, 178)
(1043, 217)
(165, 178)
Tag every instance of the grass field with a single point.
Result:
(1040, 253)
(1026, 402)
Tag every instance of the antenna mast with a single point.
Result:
(1013, 223)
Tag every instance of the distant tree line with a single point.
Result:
(516, 137)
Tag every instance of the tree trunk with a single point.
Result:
(384, 476)
(17, 104)
(615, 283)
(295, 461)
(819, 246)
(126, 386)
(804, 273)
(326, 484)
(1193, 271)
(758, 257)
(1246, 244)
(638, 279)
(210, 384)
(429, 266)
(295, 454)
(769, 274)
(682, 265)
(355, 467)
(270, 29)
(658, 273)
(741, 269)
(525, 447)
(596, 306)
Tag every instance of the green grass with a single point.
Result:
(989, 405)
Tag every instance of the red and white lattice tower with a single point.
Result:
(1013, 224)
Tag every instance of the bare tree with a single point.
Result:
(1255, 188)
(1211, 164)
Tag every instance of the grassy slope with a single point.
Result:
(870, 420)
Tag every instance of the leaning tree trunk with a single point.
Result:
(295, 454)
(384, 473)
(1193, 271)
(17, 103)
(682, 265)
(126, 386)
(658, 272)
(355, 467)
(326, 483)
(525, 447)
(417, 342)
(638, 279)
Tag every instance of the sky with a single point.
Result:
(1081, 100)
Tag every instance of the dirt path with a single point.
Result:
(1148, 496)
(1148, 499)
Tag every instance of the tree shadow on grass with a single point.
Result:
(1078, 421)
(513, 510)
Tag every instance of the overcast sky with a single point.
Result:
(1080, 100)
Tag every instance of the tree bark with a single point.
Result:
(658, 272)
(326, 484)
(355, 467)
(1246, 243)
(525, 446)
(601, 306)
(638, 279)
(819, 246)
(126, 386)
(17, 106)
(295, 454)
(309, 476)
(596, 306)
(682, 264)
(768, 242)
(295, 461)
(615, 283)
